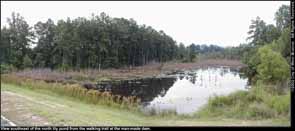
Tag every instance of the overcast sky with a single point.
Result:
(224, 23)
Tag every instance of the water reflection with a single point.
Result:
(184, 91)
(146, 89)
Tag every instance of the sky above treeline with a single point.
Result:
(223, 23)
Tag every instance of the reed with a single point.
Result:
(75, 91)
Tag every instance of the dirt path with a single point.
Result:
(17, 109)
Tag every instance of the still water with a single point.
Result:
(183, 91)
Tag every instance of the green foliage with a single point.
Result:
(257, 32)
(273, 67)
(269, 55)
(190, 55)
(17, 38)
(285, 40)
(267, 64)
(252, 59)
(282, 44)
(280, 103)
(181, 51)
(193, 52)
(27, 62)
(283, 17)
(45, 33)
(5, 55)
(260, 110)
(257, 103)
(261, 33)
(5, 68)
(217, 52)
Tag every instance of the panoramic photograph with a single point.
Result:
(145, 63)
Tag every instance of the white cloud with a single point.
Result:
(224, 23)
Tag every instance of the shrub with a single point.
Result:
(281, 104)
(259, 110)
(273, 66)
(257, 103)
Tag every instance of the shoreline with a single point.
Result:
(146, 71)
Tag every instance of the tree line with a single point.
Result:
(100, 41)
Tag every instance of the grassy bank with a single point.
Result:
(75, 91)
(63, 110)
(257, 103)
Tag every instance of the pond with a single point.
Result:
(182, 91)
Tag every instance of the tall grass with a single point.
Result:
(152, 111)
(257, 103)
(76, 91)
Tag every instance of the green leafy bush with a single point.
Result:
(273, 67)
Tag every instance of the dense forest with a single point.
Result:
(83, 43)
